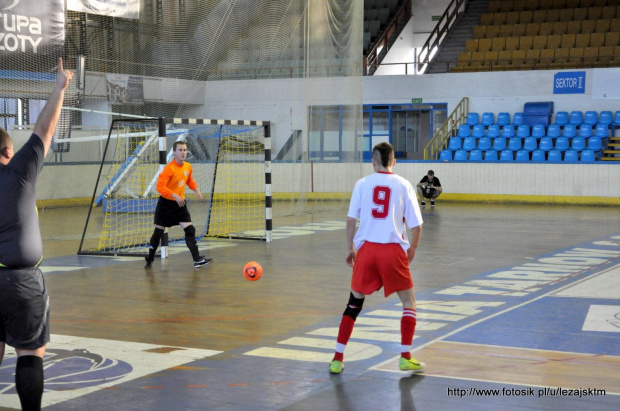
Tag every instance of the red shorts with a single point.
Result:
(381, 265)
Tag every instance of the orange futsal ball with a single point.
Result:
(252, 271)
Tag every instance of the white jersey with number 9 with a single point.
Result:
(384, 202)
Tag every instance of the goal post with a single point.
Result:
(231, 163)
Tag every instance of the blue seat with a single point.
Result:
(587, 156)
(538, 156)
(538, 130)
(546, 144)
(503, 119)
(478, 131)
(571, 156)
(506, 155)
(578, 144)
(605, 118)
(514, 143)
(469, 143)
(499, 143)
(561, 143)
(585, 130)
(616, 121)
(576, 118)
(460, 155)
(553, 130)
(484, 143)
(523, 131)
(517, 119)
(445, 155)
(570, 130)
(475, 155)
(602, 130)
(508, 131)
(472, 119)
(493, 131)
(561, 118)
(490, 155)
(454, 144)
(463, 131)
(487, 119)
(591, 118)
(595, 143)
(555, 156)
(530, 144)
(523, 156)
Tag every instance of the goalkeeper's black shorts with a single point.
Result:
(168, 213)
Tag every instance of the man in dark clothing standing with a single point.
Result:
(24, 303)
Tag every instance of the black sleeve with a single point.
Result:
(424, 179)
(437, 183)
(28, 161)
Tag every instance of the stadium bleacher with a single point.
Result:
(569, 138)
(543, 35)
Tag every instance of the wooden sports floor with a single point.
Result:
(519, 308)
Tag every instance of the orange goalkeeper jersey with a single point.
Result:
(174, 178)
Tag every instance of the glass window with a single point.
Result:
(380, 122)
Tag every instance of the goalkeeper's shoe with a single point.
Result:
(336, 367)
(149, 263)
(202, 261)
(410, 365)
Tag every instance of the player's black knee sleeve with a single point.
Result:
(190, 235)
(156, 237)
(354, 307)
(29, 381)
(190, 241)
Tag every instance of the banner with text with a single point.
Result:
(569, 82)
(129, 9)
(32, 34)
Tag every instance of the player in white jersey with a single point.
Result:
(380, 252)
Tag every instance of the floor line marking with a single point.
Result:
(466, 326)
(531, 349)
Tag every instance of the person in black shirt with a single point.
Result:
(429, 187)
(24, 302)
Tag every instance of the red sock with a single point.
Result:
(344, 333)
(407, 329)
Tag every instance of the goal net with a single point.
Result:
(229, 161)
(298, 64)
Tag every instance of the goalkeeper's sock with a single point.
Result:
(155, 239)
(190, 241)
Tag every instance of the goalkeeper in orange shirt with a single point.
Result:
(171, 209)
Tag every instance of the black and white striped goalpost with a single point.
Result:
(162, 163)
(268, 205)
(267, 144)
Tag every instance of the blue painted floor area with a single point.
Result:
(311, 388)
(550, 323)
(420, 392)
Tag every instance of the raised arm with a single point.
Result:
(48, 118)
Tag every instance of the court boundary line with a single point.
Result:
(476, 322)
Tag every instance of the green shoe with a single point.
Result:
(410, 365)
(336, 367)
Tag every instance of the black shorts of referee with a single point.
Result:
(24, 308)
